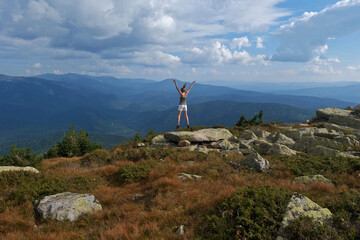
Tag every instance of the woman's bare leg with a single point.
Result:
(179, 114)
(187, 118)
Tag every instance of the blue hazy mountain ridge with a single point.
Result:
(345, 93)
(33, 107)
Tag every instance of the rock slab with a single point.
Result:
(67, 206)
(13, 168)
(256, 162)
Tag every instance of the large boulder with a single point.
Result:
(256, 162)
(300, 205)
(67, 206)
(279, 149)
(324, 151)
(260, 133)
(13, 168)
(203, 135)
(308, 142)
(261, 146)
(282, 139)
(159, 140)
(226, 145)
(248, 135)
(337, 116)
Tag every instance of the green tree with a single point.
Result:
(73, 144)
(137, 136)
(20, 157)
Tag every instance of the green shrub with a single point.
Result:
(253, 213)
(18, 187)
(20, 157)
(97, 158)
(73, 145)
(130, 174)
(256, 120)
(304, 228)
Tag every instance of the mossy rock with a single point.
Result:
(312, 179)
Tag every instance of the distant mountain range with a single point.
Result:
(36, 107)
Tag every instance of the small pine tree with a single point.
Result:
(150, 133)
(137, 136)
(261, 114)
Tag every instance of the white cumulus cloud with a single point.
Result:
(310, 32)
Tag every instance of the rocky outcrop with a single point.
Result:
(67, 206)
(13, 168)
(337, 116)
(300, 205)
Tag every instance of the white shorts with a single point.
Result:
(182, 108)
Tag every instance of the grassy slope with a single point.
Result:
(167, 201)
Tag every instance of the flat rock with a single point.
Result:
(256, 162)
(14, 168)
(159, 141)
(283, 139)
(312, 179)
(203, 135)
(338, 116)
(67, 206)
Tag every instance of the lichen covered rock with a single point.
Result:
(312, 179)
(203, 135)
(67, 206)
(279, 149)
(13, 168)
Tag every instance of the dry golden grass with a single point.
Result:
(163, 202)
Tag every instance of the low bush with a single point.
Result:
(252, 213)
(304, 228)
(20, 157)
(130, 174)
(97, 158)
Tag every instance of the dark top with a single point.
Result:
(182, 100)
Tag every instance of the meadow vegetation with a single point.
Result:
(143, 197)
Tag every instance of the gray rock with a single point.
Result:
(184, 143)
(185, 176)
(294, 134)
(14, 168)
(256, 162)
(283, 139)
(337, 116)
(140, 145)
(248, 135)
(180, 230)
(160, 141)
(203, 135)
(225, 145)
(279, 149)
(261, 146)
(260, 133)
(324, 151)
(202, 149)
(300, 205)
(312, 179)
(67, 206)
(309, 142)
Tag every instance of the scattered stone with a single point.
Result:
(256, 162)
(312, 179)
(180, 230)
(137, 197)
(248, 135)
(308, 142)
(279, 149)
(261, 146)
(225, 145)
(140, 145)
(184, 143)
(14, 168)
(67, 206)
(260, 133)
(161, 160)
(202, 149)
(185, 176)
(300, 205)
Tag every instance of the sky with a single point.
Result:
(211, 41)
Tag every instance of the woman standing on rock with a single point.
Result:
(182, 105)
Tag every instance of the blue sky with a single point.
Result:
(211, 41)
